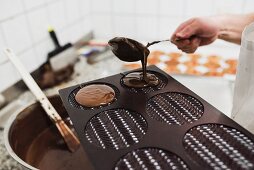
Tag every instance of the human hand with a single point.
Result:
(195, 32)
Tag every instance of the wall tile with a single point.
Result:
(13, 75)
(72, 10)
(102, 26)
(248, 6)
(86, 25)
(171, 7)
(3, 58)
(29, 4)
(7, 9)
(99, 6)
(17, 34)
(227, 6)
(29, 60)
(72, 33)
(167, 26)
(125, 26)
(75, 32)
(147, 28)
(38, 23)
(56, 13)
(199, 8)
(123, 6)
(147, 7)
(85, 7)
(42, 49)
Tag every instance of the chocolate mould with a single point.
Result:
(165, 127)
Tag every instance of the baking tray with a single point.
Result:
(162, 127)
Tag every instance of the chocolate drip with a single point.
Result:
(130, 50)
(136, 80)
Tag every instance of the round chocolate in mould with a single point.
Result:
(163, 81)
(115, 129)
(150, 159)
(174, 108)
(75, 104)
(216, 146)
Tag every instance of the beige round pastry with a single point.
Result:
(95, 95)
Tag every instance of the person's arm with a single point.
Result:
(196, 32)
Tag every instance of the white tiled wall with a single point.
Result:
(23, 26)
(155, 19)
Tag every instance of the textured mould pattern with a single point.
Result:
(162, 83)
(217, 146)
(150, 159)
(75, 104)
(115, 129)
(174, 108)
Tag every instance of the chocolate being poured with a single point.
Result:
(130, 50)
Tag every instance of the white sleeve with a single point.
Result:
(243, 102)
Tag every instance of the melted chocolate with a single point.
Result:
(48, 151)
(35, 139)
(130, 50)
(95, 95)
(136, 80)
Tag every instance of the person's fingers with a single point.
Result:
(183, 25)
(181, 43)
(188, 31)
(180, 28)
(192, 47)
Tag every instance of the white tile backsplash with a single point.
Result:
(167, 26)
(3, 58)
(125, 26)
(196, 8)
(56, 15)
(86, 25)
(38, 23)
(248, 6)
(224, 6)
(171, 8)
(42, 49)
(147, 28)
(29, 4)
(72, 10)
(9, 8)
(102, 26)
(24, 24)
(13, 76)
(85, 7)
(123, 6)
(101, 6)
(29, 57)
(17, 33)
(72, 33)
(147, 7)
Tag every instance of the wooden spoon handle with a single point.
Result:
(69, 137)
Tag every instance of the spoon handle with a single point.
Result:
(155, 42)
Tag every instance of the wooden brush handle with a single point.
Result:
(69, 137)
(33, 86)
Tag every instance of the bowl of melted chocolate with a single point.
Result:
(33, 141)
